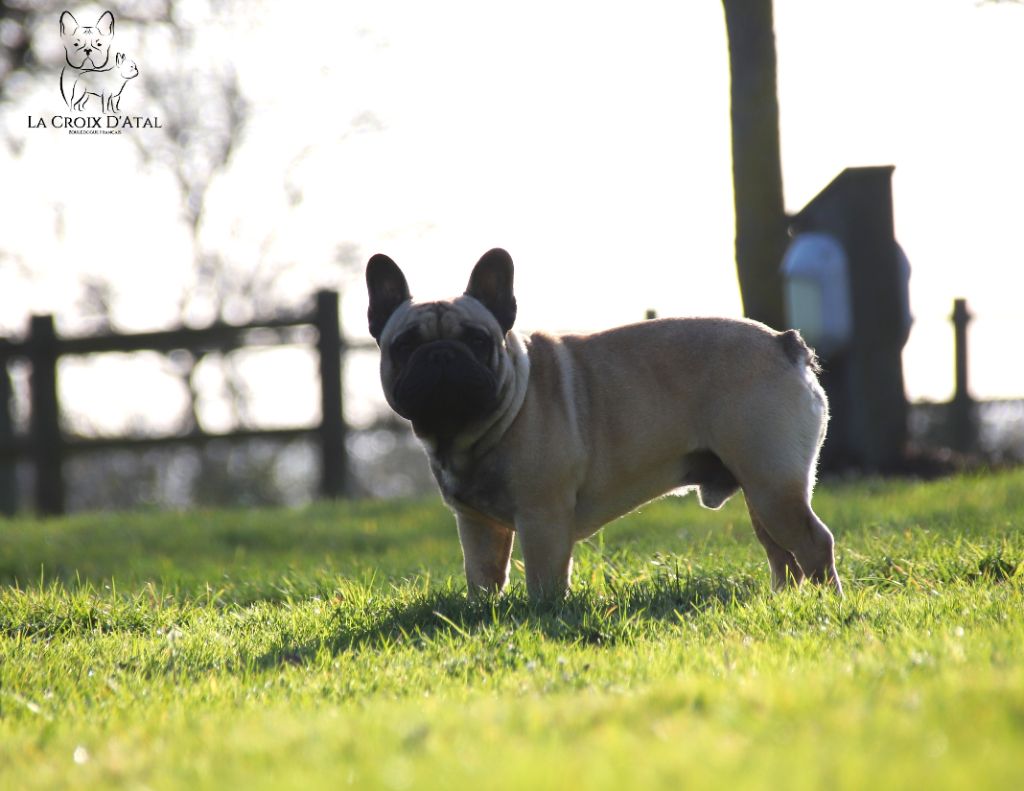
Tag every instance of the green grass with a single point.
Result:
(334, 647)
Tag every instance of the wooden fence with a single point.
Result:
(46, 446)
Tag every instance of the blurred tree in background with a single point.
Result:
(189, 80)
(761, 225)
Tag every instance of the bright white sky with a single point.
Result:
(590, 141)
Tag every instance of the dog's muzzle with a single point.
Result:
(444, 388)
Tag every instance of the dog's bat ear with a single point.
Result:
(491, 285)
(68, 23)
(106, 24)
(388, 290)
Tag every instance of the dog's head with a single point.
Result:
(86, 46)
(445, 364)
(126, 66)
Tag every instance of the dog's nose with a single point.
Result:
(88, 51)
(442, 355)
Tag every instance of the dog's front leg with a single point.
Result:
(486, 550)
(547, 552)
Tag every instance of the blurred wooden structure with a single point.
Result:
(868, 429)
(46, 446)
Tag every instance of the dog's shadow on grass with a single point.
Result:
(615, 615)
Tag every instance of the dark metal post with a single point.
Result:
(334, 461)
(962, 408)
(45, 419)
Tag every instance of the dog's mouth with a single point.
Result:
(84, 59)
(443, 389)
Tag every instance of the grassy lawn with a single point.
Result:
(333, 647)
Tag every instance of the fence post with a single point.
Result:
(333, 455)
(8, 468)
(962, 428)
(45, 419)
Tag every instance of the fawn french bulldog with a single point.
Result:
(549, 437)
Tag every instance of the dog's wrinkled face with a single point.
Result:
(86, 46)
(443, 364)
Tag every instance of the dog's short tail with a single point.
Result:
(798, 351)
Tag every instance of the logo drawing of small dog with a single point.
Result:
(107, 84)
(86, 48)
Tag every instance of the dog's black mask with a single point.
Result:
(443, 388)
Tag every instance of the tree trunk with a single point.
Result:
(761, 235)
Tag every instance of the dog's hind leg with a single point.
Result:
(784, 513)
(784, 568)
(776, 470)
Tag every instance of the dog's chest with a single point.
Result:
(479, 487)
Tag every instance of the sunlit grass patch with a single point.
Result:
(335, 646)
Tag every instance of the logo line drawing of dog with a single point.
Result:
(546, 438)
(106, 84)
(86, 48)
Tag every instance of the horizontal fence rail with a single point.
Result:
(45, 446)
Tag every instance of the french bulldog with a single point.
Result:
(549, 437)
(86, 48)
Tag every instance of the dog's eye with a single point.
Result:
(404, 346)
(477, 341)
